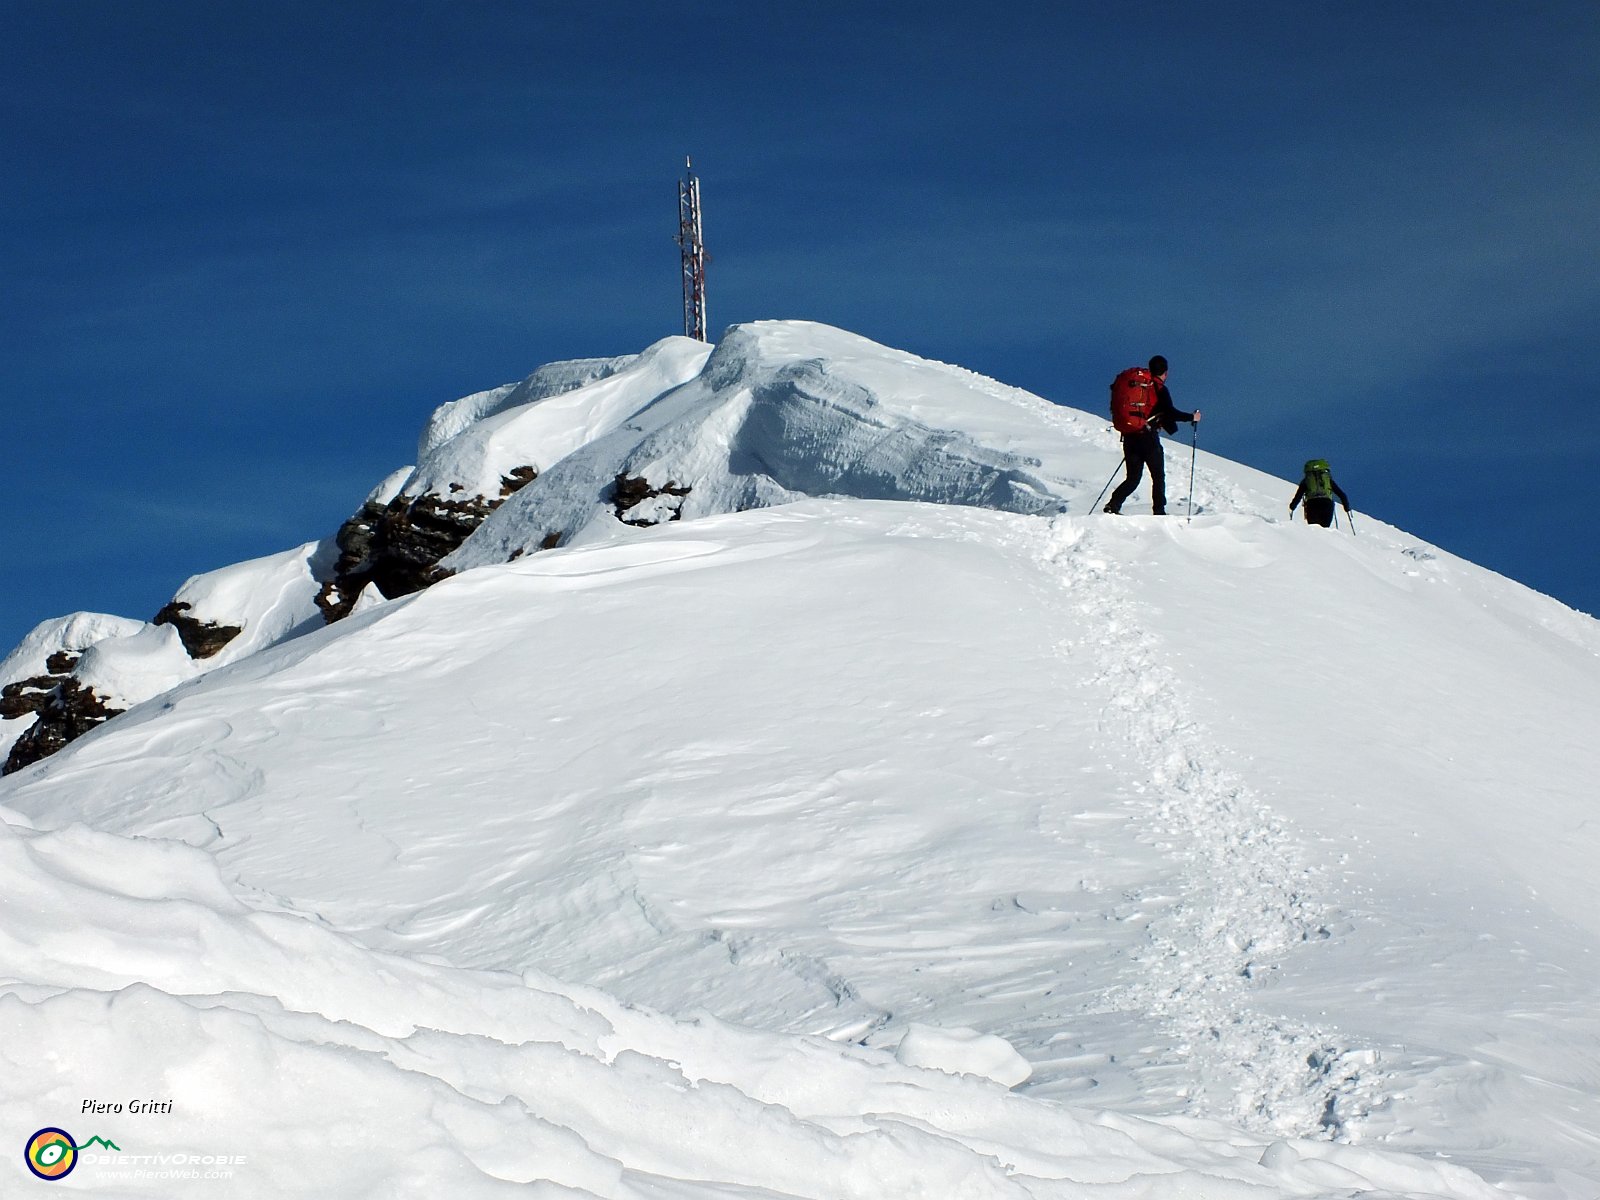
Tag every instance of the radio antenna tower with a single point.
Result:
(694, 254)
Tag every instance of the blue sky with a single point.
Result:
(250, 246)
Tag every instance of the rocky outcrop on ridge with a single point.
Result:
(640, 503)
(397, 546)
(67, 711)
(201, 639)
(42, 703)
(24, 696)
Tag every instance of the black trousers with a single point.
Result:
(1141, 450)
(1319, 510)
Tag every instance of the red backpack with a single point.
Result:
(1133, 399)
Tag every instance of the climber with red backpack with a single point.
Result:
(1141, 408)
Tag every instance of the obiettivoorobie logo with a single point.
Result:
(51, 1153)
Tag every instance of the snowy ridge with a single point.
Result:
(470, 445)
(643, 860)
(785, 410)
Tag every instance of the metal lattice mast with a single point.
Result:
(694, 254)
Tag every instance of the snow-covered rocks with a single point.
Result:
(41, 706)
(103, 666)
(478, 451)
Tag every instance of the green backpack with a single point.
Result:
(1318, 482)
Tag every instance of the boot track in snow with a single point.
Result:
(1246, 890)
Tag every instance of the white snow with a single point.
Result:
(125, 662)
(268, 599)
(915, 832)
(545, 418)
(125, 670)
(74, 634)
(962, 1052)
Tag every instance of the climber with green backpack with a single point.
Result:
(1318, 489)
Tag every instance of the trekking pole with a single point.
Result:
(1194, 448)
(1103, 490)
(1350, 520)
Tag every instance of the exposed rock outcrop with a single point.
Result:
(637, 501)
(68, 711)
(26, 696)
(23, 697)
(200, 638)
(398, 545)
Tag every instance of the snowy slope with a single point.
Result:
(1267, 847)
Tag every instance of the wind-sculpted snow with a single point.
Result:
(841, 768)
(291, 1062)
(544, 419)
(786, 410)
(553, 379)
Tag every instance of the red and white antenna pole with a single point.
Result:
(694, 254)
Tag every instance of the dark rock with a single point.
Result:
(26, 696)
(69, 711)
(61, 662)
(398, 545)
(200, 638)
(628, 491)
(516, 479)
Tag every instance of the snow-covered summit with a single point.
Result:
(795, 691)
(783, 410)
(583, 450)
(472, 444)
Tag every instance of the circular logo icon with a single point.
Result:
(51, 1154)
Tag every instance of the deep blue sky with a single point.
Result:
(249, 246)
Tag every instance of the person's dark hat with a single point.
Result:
(1158, 365)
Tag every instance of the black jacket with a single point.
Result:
(1164, 415)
